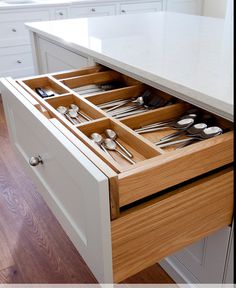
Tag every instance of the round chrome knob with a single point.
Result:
(93, 10)
(61, 13)
(123, 11)
(19, 61)
(35, 161)
(13, 30)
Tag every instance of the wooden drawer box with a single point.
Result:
(167, 199)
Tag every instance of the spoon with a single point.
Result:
(166, 122)
(98, 139)
(112, 135)
(195, 129)
(179, 125)
(76, 109)
(206, 133)
(63, 110)
(74, 115)
(111, 145)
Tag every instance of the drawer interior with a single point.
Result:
(153, 167)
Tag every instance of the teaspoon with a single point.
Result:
(111, 145)
(76, 109)
(63, 110)
(98, 139)
(113, 136)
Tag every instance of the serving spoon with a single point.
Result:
(77, 109)
(98, 139)
(63, 110)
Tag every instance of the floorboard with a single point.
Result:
(33, 246)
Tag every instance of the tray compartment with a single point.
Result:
(44, 82)
(84, 107)
(140, 150)
(168, 113)
(76, 73)
(84, 82)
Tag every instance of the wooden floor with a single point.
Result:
(33, 246)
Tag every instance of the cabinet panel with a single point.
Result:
(202, 262)
(88, 11)
(52, 58)
(12, 27)
(185, 6)
(73, 187)
(141, 7)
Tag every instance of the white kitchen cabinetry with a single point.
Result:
(53, 58)
(139, 7)
(203, 262)
(73, 187)
(92, 10)
(183, 6)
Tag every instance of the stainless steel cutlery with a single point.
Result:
(72, 113)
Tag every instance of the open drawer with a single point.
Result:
(166, 199)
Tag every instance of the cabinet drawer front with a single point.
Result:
(73, 187)
(12, 27)
(152, 231)
(141, 7)
(15, 61)
(102, 10)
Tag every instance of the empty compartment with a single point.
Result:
(191, 127)
(80, 72)
(44, 83)
(77, 110)
(98, 82)
(138, 149)
(132, 100)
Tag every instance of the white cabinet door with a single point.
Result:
(73, 187)
(12, 25)
(140, 7)
(92, 10)
(184, 6)
(52, 58)
(203, 262)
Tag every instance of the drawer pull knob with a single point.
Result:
(123, 11)
(19, 61)
(35, 161)
(61, 13)
(13, 30)
(93, 10)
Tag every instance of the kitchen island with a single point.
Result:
(168, 198)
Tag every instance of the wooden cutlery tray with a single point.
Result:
(155, 169)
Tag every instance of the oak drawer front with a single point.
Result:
(73, 187)
(101, 10)
(12, 27)
(152, 231)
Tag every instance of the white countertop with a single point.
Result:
(187, 56)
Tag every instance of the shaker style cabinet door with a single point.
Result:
(73, 187)
(184, 6)
(52, 58)
(89, 11)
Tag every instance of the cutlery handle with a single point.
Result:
(151, 130)
(105, 150)
(117, 106)
(126, 157)
(175, 142)
(84, 116)
(124, 149)
(172, 136)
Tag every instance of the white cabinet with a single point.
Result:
(12, 27)
(73, 187)
(183, 6)
(92, 10)
(52, 58)
(202, 262)
(139, 7)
